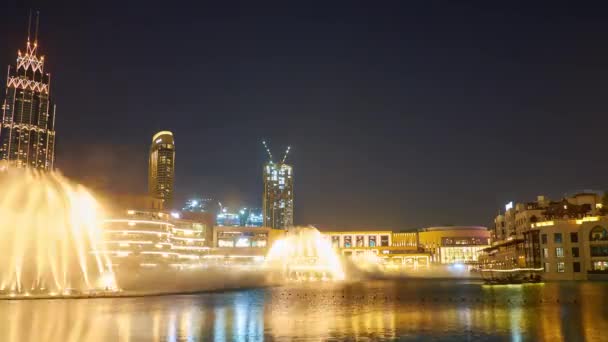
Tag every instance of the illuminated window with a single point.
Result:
(348, 241)
(600, 265)
(360, 240)
(547, 268)
(384, 240)
(561, 267)
(372, 241)
(546, 252)
(559, 252)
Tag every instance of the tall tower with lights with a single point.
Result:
(278, 192)
(27, 130)
(161, 168)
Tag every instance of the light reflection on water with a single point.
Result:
(375, 310)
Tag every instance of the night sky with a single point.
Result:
(400, 114)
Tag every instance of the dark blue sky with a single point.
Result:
(400, 114)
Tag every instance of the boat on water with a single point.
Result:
(511, 276)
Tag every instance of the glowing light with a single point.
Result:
(588, 219)
(107, 282)
(161, 133)
(175, 215)
(131, 212)
(509, 206)
(304, 253)
(543, 224)
(514, 270)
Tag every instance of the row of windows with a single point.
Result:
(561, 267)
(557, 238)
(559, 252)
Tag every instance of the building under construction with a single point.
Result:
(278, 192)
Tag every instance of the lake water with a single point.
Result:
(371, 310)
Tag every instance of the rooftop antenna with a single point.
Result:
(267, 149)
(29, 26)
(285, 156)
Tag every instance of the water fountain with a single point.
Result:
(305, 255)
(49, 235)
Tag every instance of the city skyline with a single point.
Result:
(419, 126)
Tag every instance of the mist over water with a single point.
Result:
(164, 281)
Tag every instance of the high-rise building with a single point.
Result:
(27, 130)
(278, 192)
(161, 167)
(278, 195)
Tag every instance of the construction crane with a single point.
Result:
(267, 149)
(285, 156)
(270, 153)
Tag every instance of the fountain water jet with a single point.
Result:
(305, 255)
(49, 236)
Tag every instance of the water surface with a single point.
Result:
(372, 310)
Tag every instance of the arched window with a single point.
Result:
(598, 233)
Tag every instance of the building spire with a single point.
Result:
(29, 26)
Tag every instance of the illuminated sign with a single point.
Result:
(509, 206)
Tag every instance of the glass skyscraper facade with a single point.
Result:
(161, 168)
(278, 195)
(27, 130)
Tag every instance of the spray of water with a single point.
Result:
(304, 255)
(49, 233)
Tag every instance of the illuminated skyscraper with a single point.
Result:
(161, 167)
(278, 193)
(27, 130)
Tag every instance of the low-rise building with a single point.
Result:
(505, 255)
(555, 236)
(151, 239)
(243, 244)
(454, 244)
(574, 249)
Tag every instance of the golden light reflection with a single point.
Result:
(322, 311)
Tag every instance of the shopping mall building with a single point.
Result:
(151, 237)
